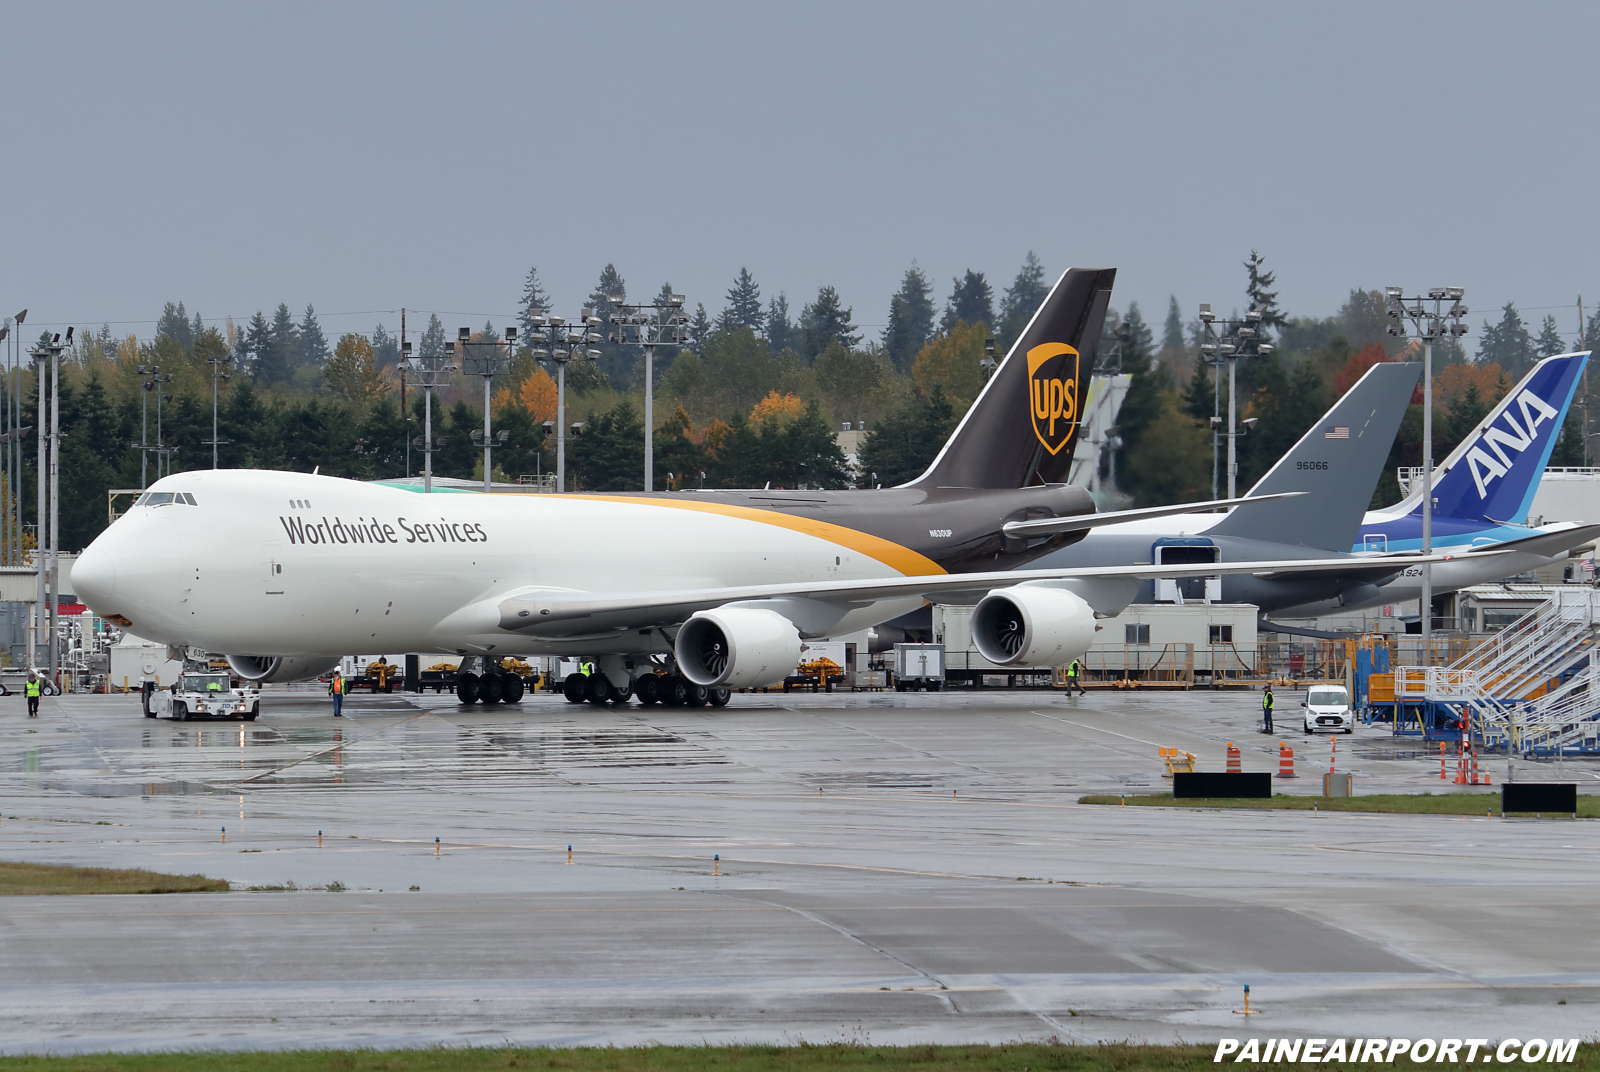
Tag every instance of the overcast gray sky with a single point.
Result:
(365, 157)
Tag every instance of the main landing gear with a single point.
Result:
(497, 686)
(668, 689)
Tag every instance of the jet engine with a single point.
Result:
(740, 647)
(1031, 625)
(278, 668)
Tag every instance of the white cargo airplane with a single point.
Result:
(287, 572)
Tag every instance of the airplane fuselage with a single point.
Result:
(273, 563)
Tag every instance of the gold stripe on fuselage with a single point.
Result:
(907, 562)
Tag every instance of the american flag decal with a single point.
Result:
(1338, 431)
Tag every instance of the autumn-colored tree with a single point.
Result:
(352, 372)
(1356, 366)
(781, 408)
(954, 361)
(1451, 383)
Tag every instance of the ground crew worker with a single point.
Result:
(1074, 678)
(1266, 710)
(336, 690)
(35, 688)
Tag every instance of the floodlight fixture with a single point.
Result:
(464, 334)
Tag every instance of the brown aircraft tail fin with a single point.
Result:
(1023, 427)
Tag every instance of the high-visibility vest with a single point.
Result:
(1267, 701)
(336, 687)
(34, 687)
(1072, 669)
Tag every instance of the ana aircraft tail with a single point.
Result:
(1493, 474)
(1021, 430)
(1338, 462)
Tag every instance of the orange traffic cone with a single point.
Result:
(1285, 760)
(1234, 765)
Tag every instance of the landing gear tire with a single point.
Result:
(719, 696)
(599, 689)
(673, 690)
(511, 688)
(697, 695)
(576, 688)
(622, 694)
(468, 688)
(647, 689)
(490, 687)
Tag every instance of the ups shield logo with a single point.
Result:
(1053, 393)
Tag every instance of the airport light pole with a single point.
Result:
(657, 324)
(1427, 324)
(5, 421)
(564, 343)
(218, 372)
(14, 455)
(1228, 340)
(488, 365)
(432, 372)
(47, 362)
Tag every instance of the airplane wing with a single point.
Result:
(1549, 541)
(1049, 526)
(556, 612)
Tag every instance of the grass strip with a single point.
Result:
(1016, 1057)
(1393, 803)
(19, 879)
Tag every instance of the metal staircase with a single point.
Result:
(1534, 688)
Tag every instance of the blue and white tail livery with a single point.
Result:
(1482, 491)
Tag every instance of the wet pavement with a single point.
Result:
(871, 867)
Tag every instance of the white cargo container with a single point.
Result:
(135, 660)
(918, 666)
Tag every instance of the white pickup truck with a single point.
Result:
(203, 696)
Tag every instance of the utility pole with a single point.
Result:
(1427, 325)
(432, 372)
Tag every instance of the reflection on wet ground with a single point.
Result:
(383, 742)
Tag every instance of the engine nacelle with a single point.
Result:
(1030, 625)
(269, 669)
(740, 647)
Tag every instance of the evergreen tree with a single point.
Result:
(1263, 299)
(1591, 333)
(385, 347)
(910, 319)
(607, 456)
(197, 327)
(1199, 397)
(609, 286)
(971, 302)
(1022, 299)
(744, 303)
(699, 327)
(254, 344)
(905, 441)
(1549, 342)
(174, 325)
(780, 329)
(824, 321)
(1507, 343)
(312, 350)
(432, 344)
(535, 302)
(1172, 331)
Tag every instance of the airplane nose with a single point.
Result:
(94, 579)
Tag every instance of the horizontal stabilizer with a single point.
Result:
(1549, 541)
(1049, 526)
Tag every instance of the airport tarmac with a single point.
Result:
(894, 868)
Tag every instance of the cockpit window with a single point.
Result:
(165, 498)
